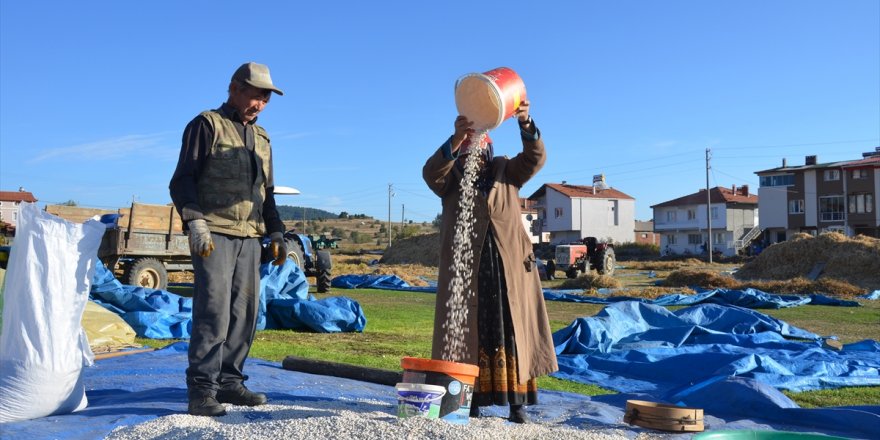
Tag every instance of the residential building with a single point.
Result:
(9, 201)
(683, 223)
(529, 214)
(819, 197)
(644, 233)
(568, 213)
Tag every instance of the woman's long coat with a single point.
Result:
(500, 210)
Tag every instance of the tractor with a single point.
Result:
(308, 252)
(584, 256)
(311, 256)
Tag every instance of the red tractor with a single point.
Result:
(582, 257)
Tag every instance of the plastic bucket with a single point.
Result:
(456, 378)
(419, 400)
(487, 99)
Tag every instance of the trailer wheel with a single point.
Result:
(606, 262)
(147, 272)
(324, 265)
(572, 272)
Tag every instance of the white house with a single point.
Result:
(528, 214)
(682, 222)
(9, 201)
(571, 212)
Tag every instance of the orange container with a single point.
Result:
(487, 99)
(457, 378)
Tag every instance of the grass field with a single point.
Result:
(400, 324)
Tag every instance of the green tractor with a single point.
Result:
(309, 252)
(311, 256)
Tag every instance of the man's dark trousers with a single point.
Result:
(225, 307)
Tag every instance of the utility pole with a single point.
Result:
(708, 207)
(402, 210)
(390, 195)
(304, 220)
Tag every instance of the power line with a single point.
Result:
(800, 145)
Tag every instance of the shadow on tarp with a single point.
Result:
(129, 390)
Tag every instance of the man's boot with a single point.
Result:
(205, 404)
(241, 396)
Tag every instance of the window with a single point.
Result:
(714, 212)
(557, 212)
(832, 175)
(796, 206)
(860, 174)
(695, 238)
(692, 214)
(831, 208)
(644, 235)
(861, 203)
(670, 216)
(720, 238)
(670, 239)
(780, 180)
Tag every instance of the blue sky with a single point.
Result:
(94, 95)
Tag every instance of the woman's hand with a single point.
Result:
(522, 112)
(462, 131)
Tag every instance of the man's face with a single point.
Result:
(248, 100)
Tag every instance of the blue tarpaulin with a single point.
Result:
(385, 282)
(284, 304)
(134, 389)
(751, 298)
(700, 355)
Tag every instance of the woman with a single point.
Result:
(508, 333)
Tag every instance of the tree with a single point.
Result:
(436, 222)
(70, 202)
(343, 214)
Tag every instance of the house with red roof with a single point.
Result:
(820, 197)
(528, 214)
(9, 201)
(684, 223)
(568, 213)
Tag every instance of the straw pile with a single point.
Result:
(591, 281)
(851, 260)
(420, 249)
(702, 278)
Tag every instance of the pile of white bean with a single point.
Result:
(343, 419)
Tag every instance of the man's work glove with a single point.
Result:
(278, 247)
(200, 242)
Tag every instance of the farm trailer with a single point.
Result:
(144, 241)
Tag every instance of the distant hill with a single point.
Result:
(296, 213)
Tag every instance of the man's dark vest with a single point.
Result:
(230, 196)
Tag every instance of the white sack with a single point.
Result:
(42, 344)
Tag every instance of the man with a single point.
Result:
(223, 189)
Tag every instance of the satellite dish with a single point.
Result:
(286, 191)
